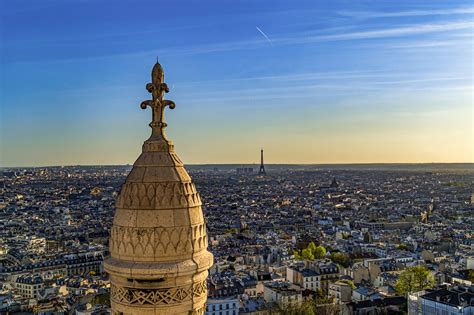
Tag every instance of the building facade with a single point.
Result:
(341, 292)
(29, 286)
(450, 301)
(282, 294)
(223, 306)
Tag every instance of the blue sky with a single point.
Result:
(310, 81)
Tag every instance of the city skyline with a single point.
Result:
(324, 82)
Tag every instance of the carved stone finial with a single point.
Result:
(157, 88)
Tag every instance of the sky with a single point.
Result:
(309, 81)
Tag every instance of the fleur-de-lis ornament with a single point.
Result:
(157, 88)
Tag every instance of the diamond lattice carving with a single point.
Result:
(157, 241)
(158, 296)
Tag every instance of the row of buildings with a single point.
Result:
(373, 225)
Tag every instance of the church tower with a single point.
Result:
(158, 260)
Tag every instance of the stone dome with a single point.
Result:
(158, 260)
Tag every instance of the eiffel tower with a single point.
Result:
(262, 167)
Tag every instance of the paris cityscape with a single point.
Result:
(306, 157)
(374, 221)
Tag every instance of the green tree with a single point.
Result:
(304, 308)
(402, 247)
(312, 247)
(307, 254)
(307, 307)
(342, 259)
(297, 254)
(319, 252)
(470, 275)
(321, 298)
(328, 309)
(414, 279)
(311, 252)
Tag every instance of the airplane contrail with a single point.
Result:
(264, 35)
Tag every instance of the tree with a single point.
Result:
(307, 254)
(414, 279)
(304, 308)
(312, 247)
(328, 309)
(403, 247)
(297, 254)
(470, 275)
(319, 252)
(307, 307)
(342, 259)
(311, 252)
(321, 298)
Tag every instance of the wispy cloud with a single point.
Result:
(339, 82)
(316, 90)
(373, 14)
(294, 77)
(408, 30)
(296, 39)
(422, 44)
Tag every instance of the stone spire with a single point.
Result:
(158, 260)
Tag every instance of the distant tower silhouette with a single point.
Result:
(262, 167)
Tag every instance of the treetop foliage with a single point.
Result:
(414, 279)
(311, 252)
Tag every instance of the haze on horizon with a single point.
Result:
(309, 81)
